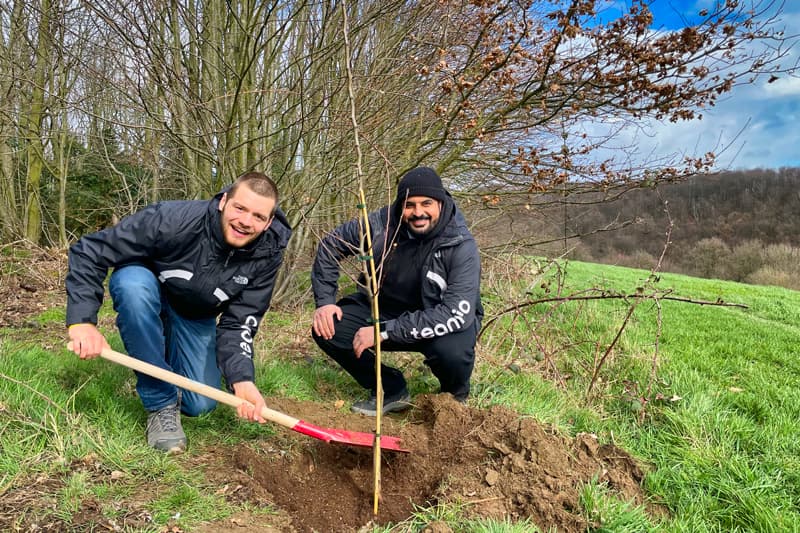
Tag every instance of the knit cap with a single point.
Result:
(421, 181)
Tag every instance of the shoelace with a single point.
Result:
(166, 419)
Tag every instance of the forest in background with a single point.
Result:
(107, 106)
(740, 225)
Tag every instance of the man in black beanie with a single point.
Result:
(429, 293)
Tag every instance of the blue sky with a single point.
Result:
(758, 123)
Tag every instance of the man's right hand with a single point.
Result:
(323, 320)
(87, 341)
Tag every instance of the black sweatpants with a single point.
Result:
(451, 357)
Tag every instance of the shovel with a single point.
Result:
(340, 436)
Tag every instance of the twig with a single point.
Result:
(599, 365)
(659, 316)
(36, 392)
(605, 296)
(484, 500)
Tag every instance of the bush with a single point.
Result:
(708, 258)
(769, 275)
(782, 257)
(637, 259)
(745, 259)
(581, 252)
(750, 261)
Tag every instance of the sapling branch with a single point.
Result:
(368, 266)
(604, 294)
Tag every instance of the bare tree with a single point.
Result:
(178, 97)
(32, 116)
(11, 45)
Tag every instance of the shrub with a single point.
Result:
(637, 259)
(745, 258)
(769, 275)
(581, 252)
(783, 257)
(707, 258)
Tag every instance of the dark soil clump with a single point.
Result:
(494, 462)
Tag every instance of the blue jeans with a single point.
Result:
(153, 332)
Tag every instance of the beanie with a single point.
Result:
(421, 181)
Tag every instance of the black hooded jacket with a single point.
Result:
(450, 277)
(200, 274)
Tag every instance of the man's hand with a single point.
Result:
(323, 320)
(87, 341)
(254, 404)
(365, 338)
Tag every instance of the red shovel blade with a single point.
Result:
(355, 438)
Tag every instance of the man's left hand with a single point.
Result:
(364, 339)
(254, 402)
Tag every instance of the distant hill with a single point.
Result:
(730, 217)
(735, 207)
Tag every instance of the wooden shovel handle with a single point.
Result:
(191, 385)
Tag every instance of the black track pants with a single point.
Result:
(451, 357)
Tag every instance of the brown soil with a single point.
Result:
(493, 462)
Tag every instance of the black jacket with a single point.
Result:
(179, 240)
(451, 273)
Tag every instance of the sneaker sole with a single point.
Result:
(170, 448)
(175, 450)
(394, 407)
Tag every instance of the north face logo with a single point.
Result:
(240, 280)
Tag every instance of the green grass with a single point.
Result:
(453, 516)
(725, 453)
(719, 432)
(609, 514)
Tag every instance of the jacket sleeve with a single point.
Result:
(339, 244)
(456, 311)
(133, 239)
(238, 324)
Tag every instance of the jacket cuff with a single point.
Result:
(239, 374)
(238, 379)
(387, 328)
(80, 316)
(326, 300)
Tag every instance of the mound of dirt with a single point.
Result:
(493, 462)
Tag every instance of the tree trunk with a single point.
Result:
(10, 215)
(34, 145)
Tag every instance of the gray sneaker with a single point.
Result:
(164, 431)
(397, 402)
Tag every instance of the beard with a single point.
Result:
(421, 232)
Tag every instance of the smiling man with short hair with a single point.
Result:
(429, 295)
(191, 282)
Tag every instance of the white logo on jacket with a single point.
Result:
(240, 280)
(453, 323)
(247, 336)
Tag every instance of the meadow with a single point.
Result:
(704, 395)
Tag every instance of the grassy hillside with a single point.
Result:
(725, 449)
(715, 429)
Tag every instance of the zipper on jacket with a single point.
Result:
(230, 254)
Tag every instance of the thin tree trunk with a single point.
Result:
(35, 148)
(10, 221)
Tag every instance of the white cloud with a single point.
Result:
(755, 125)
(787, 86)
